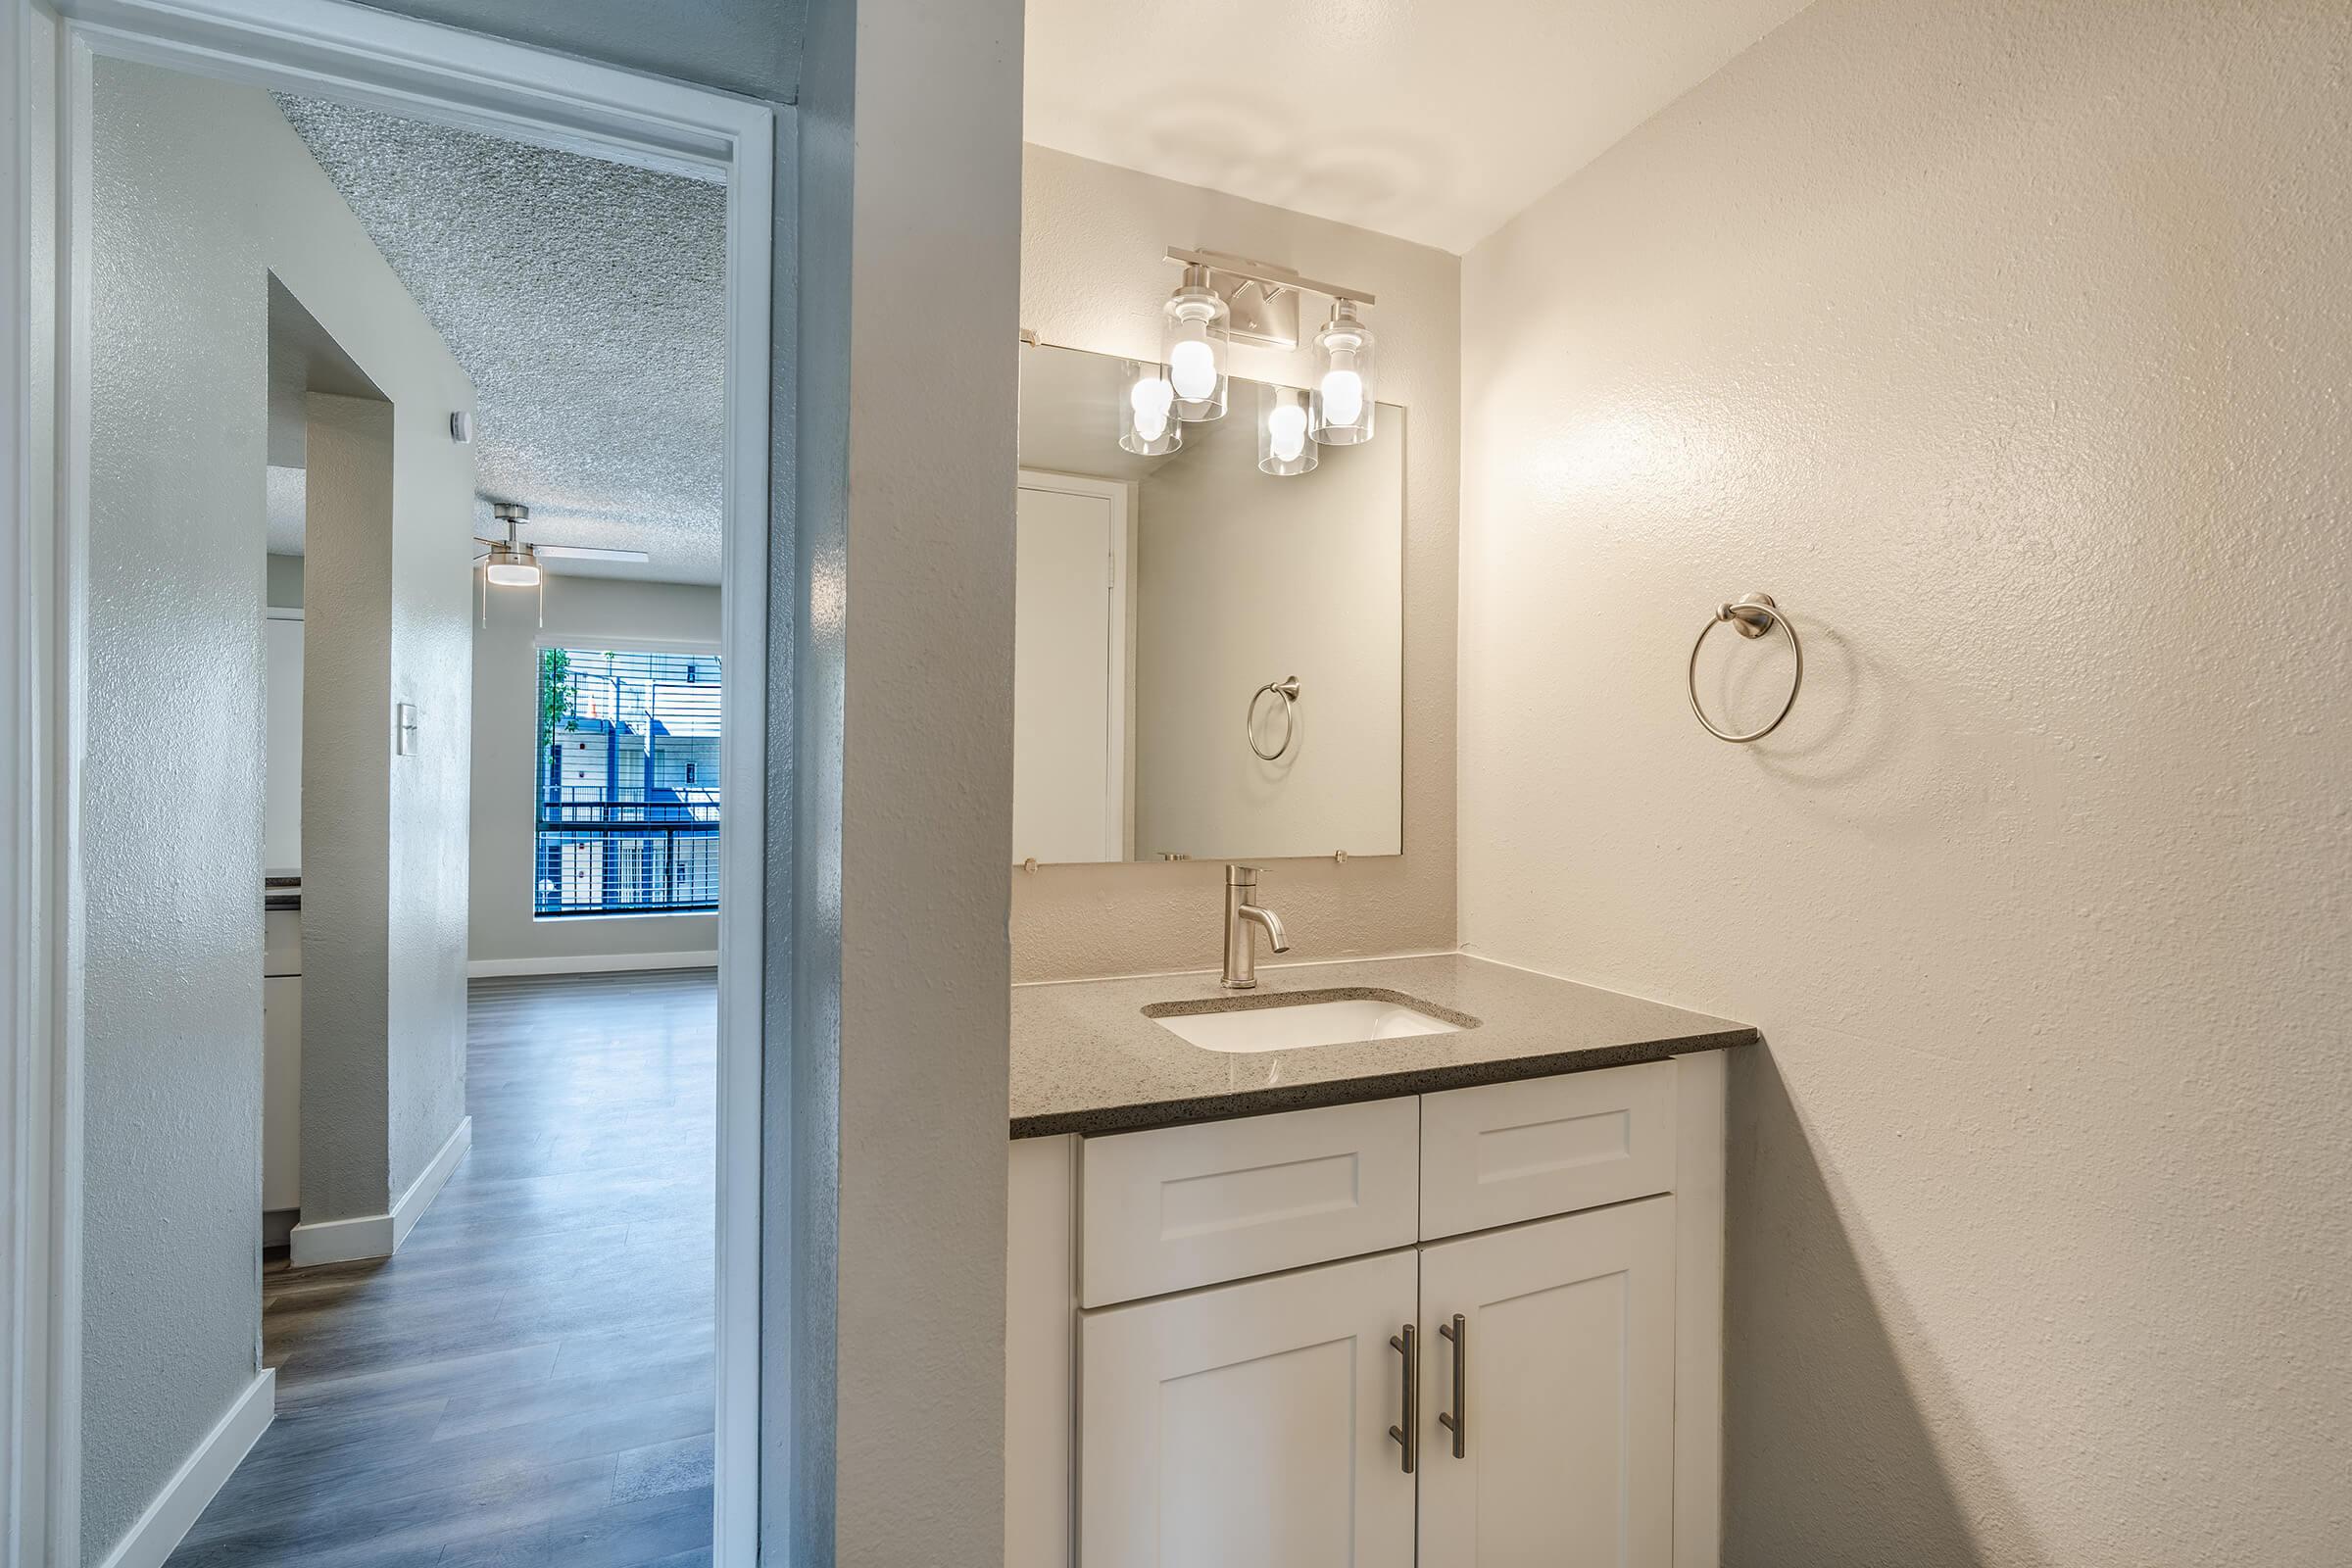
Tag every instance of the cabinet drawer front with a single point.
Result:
(1247, 1426)
(1505, 1152)
(1181, 1207)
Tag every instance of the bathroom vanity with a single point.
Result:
(1281, 1293)
(1355, 1265)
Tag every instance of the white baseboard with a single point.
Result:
(340, 1240)
(175, 1509)
(346, 1241)
(429, 1182)
(589, 963)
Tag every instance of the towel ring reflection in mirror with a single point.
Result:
(1287, 689)
(1750, 616)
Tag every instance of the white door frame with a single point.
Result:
(346, 52)
(1120, 495)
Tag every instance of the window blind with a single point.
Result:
(628, 808)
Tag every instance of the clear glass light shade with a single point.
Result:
(511, 569)
(1344, 390)
(1283, 449)
(1148, 423)
(1194, 338)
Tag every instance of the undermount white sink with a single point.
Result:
(1292, 1026)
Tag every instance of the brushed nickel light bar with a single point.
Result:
(1263, 297)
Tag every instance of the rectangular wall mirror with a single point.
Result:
(1209, 658)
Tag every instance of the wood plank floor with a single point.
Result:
(529, 1381)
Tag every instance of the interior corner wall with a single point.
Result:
(346, 811)
(1092, 237)
(581, 612)
(2004, 344)
(200, 192)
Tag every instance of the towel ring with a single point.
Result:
(1287, 689)
(1750, 616)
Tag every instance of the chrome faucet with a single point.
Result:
(1241, 942)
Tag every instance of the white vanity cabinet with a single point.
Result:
(1222, 1334)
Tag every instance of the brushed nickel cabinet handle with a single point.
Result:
(1457, 1419)
(1410, 1434)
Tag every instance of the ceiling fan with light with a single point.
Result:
(508, 563)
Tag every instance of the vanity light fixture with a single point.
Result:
(1227, 298)
(1194, 334)
(1148, 423)
(1283, 449)
(1344, 398)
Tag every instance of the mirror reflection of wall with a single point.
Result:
(1156, 596)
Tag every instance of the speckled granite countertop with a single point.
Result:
(1086, 1059)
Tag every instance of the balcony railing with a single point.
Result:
(628, 856)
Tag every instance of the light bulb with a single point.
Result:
(1342, 397)
(1286, 428)
(512, 573)
(1345, 388)
(1193, 370)
(1195, 328)
(1151, 398)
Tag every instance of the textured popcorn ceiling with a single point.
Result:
(584, 299)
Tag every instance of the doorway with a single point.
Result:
(335, 52)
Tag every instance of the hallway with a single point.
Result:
(529, 1380)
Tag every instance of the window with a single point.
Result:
(627, 797)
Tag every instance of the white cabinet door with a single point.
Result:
(1567, 1398)
(1247, 1426)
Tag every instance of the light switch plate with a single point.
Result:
(404, 729)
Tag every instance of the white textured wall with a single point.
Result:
(1093, 278)
(172, 1007)
(200, 192)
(2008, 344)
(346, 1079)
(581, 611)
(892, 644)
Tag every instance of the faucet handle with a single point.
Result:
(1240, 876)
